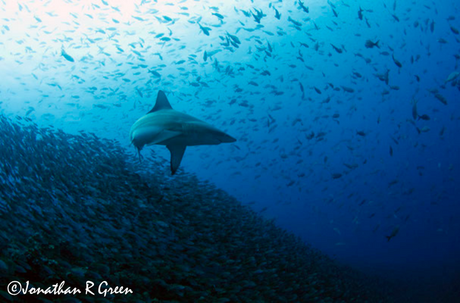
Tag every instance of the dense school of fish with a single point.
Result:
(103, 64)
(75, 208)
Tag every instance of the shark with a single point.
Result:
(163, 125)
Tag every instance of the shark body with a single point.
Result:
(164, 126)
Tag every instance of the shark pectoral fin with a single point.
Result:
(177, 152)
(165, 135)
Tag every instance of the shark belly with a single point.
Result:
(191, 140)
(151, 135)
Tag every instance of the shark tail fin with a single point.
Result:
(177, 152)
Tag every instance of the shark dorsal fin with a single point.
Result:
(162, 103)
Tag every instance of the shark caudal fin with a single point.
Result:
(161, 103)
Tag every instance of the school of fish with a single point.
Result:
(289, 81)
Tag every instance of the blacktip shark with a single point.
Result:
(164, 126)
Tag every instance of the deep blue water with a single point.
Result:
(324, 145)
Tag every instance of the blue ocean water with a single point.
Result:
(346, 113)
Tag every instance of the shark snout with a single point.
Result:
(138, 145)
